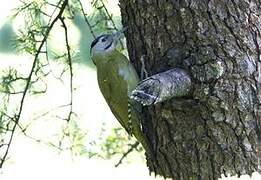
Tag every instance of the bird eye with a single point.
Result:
(103, 39)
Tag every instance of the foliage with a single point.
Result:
(34, 38)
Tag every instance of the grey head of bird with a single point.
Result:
(105, 43)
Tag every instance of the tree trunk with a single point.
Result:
(217, 127)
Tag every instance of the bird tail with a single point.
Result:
(129, 118)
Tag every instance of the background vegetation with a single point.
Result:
(45, 88)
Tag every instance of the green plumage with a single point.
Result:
(117, 78)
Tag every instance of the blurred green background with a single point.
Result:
(44, 145)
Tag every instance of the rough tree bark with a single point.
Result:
(217, 127)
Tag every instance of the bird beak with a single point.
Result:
(116, 36)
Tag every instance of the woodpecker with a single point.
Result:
(116, 79)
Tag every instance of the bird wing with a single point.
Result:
(113, 82)
(117, 78)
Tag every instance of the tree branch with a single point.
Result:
(70, 66)
(163, 86)
(133, 146)
(18, 116)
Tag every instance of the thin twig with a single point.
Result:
(70, 66)
(109, 16)
(86, 20)
(64, 4)
(113, 23)
(133, 146)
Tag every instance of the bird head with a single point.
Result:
(105, 43)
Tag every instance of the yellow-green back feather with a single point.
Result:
(117, 78)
